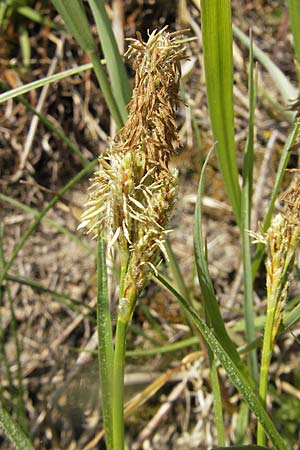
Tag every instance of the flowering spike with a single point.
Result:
(133, 191)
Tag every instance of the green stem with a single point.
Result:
(246, 204)
(264, 370)
(3, 355)
(105, 345)
(218, 409)
(13, 431)
(118, 384)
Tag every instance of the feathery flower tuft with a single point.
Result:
(282, 241)
(133, 191)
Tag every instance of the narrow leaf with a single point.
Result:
(242, 447)
(74, 16)
(217, 47)
(20, 90)
(116, 69)
(14, 432)
(35, 213)
(246, 221)
(209, 298)
(235, 374)
(39, 218)
(294, 13)
(283, 84)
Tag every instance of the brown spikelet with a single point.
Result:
(151, 123)
(133, 191)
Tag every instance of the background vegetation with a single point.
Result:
(180, 395)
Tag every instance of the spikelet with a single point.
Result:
(133, 191)
(282, 242)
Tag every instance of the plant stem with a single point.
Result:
(217, 405)
(105, 345)
(13, 431)
(264, 370)
(118, 384)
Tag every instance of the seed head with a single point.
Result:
(151, 123)
(282, 241)
(133, 191)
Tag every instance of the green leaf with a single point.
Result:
(294, 13)
(164, 348)
(60, 228)
(242, 447)
(233, 370)
(283, 84)
(74, 16)
(217, 47)
(63, 299)
(39, 218)
(14, 432)
(35, 16)
(246, 199)
(209, 298)
(116, 69)
(20, 90)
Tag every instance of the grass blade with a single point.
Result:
(74, 16)
(35, 16)
(217, 403)
(159, 350)
(14, 432)
(116, 69)
(178, 278)
(51, 127)
(35, 213)
(292, 317)
(63, 299)
(24, 45)
(175, 270)
(217, 47)
(294, 13)
(20, 90)
(39, 218)
(210, 301)
(247, 189)
(242, 447)
(20, 406)
(234, 372)
(3, 353)
(283, 84)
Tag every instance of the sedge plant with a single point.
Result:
(281, 241)
(133, 191)
(130, 200)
